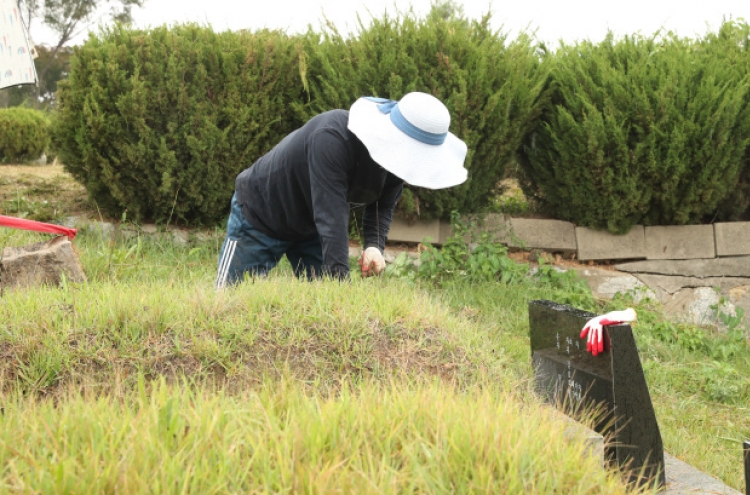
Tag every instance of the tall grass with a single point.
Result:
(369, 438)
(441, 368)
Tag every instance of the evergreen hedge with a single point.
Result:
(640, 130)
(158, 123)
(24, 134)
(492, 88)
(731, 44)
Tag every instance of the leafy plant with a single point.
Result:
(721, 382)
(24, 134)
(638, 130)
(160, 122)
(731, 321)
(402, 267)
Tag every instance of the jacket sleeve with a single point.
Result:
(328, 159)
(377, 217)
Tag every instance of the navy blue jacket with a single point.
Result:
(305, 186)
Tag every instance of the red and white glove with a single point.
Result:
(595, 343)
(372, 262)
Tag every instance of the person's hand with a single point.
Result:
(372, 262)
(593, 328)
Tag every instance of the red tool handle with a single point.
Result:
(47, 228)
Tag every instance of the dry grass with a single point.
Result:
(99, 335)
(379, 438)
(41, 192)
(50, 171)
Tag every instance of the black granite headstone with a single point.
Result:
(611, 386)
(747, 467)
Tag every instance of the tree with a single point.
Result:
(69, 18)
(56, 69)
(445, 10)
(29, 10)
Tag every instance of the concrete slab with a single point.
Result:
(552, 236)
(575, 431)
(680, 242)
(494, 224)
(419, 231)
(732, 239)
(671, 284)
(684, 479)
(446, 230)
(601, 245)
(738, 266)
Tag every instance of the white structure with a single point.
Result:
(16, 61)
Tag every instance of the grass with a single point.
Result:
(95, 334)
(43, 193)
(144, 379)
(368, 438)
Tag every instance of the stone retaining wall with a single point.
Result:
(680, 242)
(689, 268)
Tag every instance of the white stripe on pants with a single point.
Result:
(224, 263)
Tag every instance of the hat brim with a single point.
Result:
(418, 164)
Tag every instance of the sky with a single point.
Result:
(551, 20)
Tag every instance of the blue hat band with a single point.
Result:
(397, 118)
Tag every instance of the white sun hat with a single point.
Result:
(410, 139)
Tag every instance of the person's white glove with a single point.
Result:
(372, 262)
(593, 327)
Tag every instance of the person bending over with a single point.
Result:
(296, 199)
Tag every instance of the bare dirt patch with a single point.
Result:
(92, 361)
(41, 192)
(50, 171)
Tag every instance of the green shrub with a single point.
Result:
(731, 44)
(158, 123)
(640, 130)
(24, 134)
(492, 88)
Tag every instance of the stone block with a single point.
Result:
(577, 432)
(680, 242)
(446, 230)
(671, 284)
(602, 245)
(683, 479)
(694, 306)
(418, 231)
(606, 284)
(732, 239)
(552, 236)
(493, 224)
(43, 263)
(701, 268)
